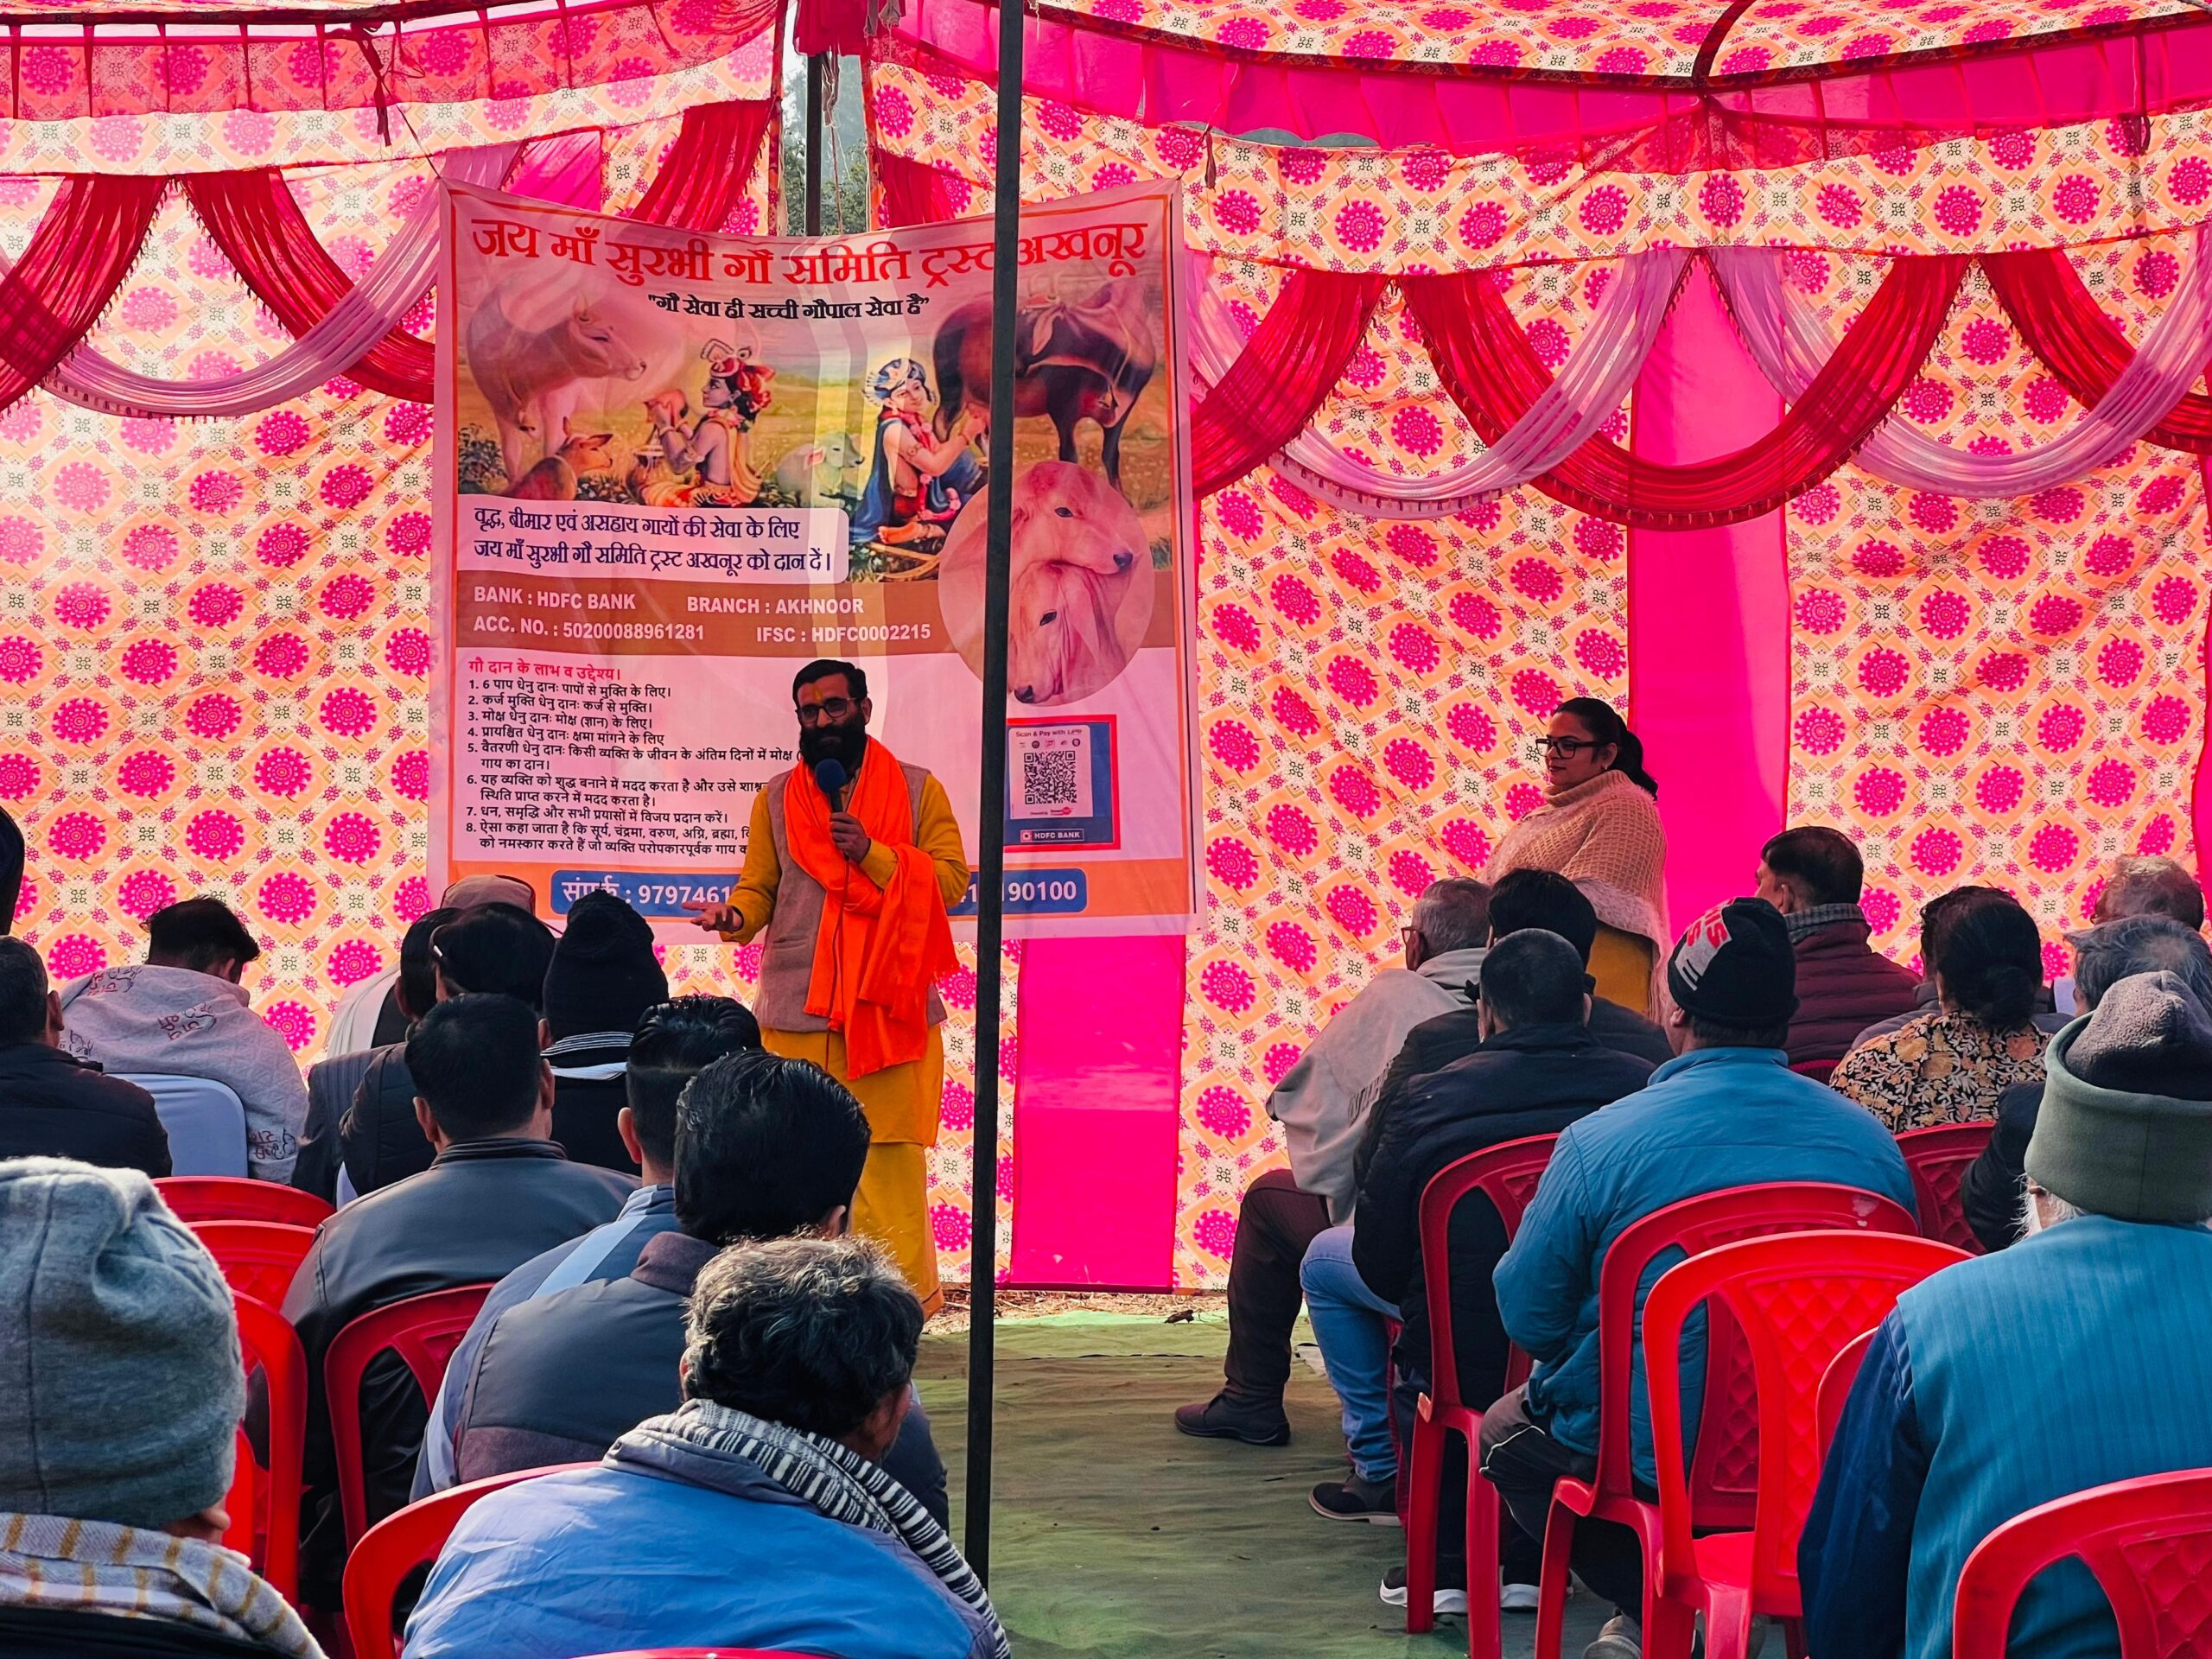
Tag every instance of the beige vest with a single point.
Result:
(787, 942)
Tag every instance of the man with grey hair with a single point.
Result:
(756, 1515)
(2139, 942)
(1322, 1103)
(2137, 885)
(2074, 1359)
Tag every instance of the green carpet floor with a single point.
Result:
(1113, 1536)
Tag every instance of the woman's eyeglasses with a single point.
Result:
(1566, 747)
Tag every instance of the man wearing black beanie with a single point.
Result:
(1727, 1111)
(601, 980)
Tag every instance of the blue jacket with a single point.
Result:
(1711, 1119)
(605, 1559)
(2076, 1358)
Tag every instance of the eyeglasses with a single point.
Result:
(832, 709)
(1566, 747)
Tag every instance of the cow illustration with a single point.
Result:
(1073, 362)
(531, 377)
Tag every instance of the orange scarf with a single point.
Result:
(878, 948)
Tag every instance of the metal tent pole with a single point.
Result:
(813, 148)
(990, 875)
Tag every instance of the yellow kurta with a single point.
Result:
(1621, 964)
(901, 1100)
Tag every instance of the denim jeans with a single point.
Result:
(1352, 1325)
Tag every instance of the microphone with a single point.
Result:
(829, 776)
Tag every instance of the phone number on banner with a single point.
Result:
(648, 895)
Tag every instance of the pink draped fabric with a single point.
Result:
(1708, 618)
(1292, 362)
(83, 248)
(1492, 373)
(1740, 122)
(2063, 325)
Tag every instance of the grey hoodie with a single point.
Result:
(1323, 1101)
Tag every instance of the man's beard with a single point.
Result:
(848, 745)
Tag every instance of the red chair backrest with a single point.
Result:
(1835, 1386)
(227, 1197)
(258, 1258)
(2149, 1542)
(423, 1331)
(1938, 1159)
(1794, 1301)
(1818, 1071)
(264, 1501)
(399, 1544)
(1507, 1175)
(1723, 1477)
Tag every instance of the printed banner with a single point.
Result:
(673, 468)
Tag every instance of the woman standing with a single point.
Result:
(1599, 827)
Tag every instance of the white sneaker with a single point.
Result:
(1446, 1598)
(1517, 1598)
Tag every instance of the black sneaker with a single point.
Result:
(1223, 1418)
(1451, 1596)
(1373, 1501)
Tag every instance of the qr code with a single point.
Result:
(1048, 778)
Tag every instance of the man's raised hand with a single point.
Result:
(715, 918)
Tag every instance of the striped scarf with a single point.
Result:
(832, 1480)
(98, 1566)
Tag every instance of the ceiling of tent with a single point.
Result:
(1635, 41)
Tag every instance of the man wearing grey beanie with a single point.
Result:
(118, 1417)
(2075, 1359)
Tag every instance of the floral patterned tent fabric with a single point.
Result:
(2010, 692)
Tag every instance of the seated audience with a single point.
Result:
(333, 1081)
(372, 1013)
(182, 1013)
(672, 1044)
(559, 1375)
(1936, 918)
(53, 1105)
(601, 980)
(1949, 1066)
(2075, 1359)
(1524, 899)
(492, 950)
(1726, 1112)
(1320, 1103)
(1813, 876)
(1539, 1069)
(756, 1515)
(124, 1402)
(497, 1192)
(2140, 943)
(2138, 886)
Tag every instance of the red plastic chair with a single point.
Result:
(1835, 1386)
(1794, 1301)
(1507, 1176)
(2147, 1540)
(1938, 1159)
(258, 1258)
(264, 1500)
(400, 1543)
(1723, 1477)
(1818, 1071)
(423, 1331)
(227, 1197)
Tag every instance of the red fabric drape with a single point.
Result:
(704, 179)
(2064, 326)
(913, 193)
(260, 229)
(262, 232)
(1493, 373)
(1292, 362)
(83, 248)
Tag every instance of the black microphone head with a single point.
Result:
(829, 776)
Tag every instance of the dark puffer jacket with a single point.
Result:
(1844, 985)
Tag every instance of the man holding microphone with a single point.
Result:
(852, 860)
